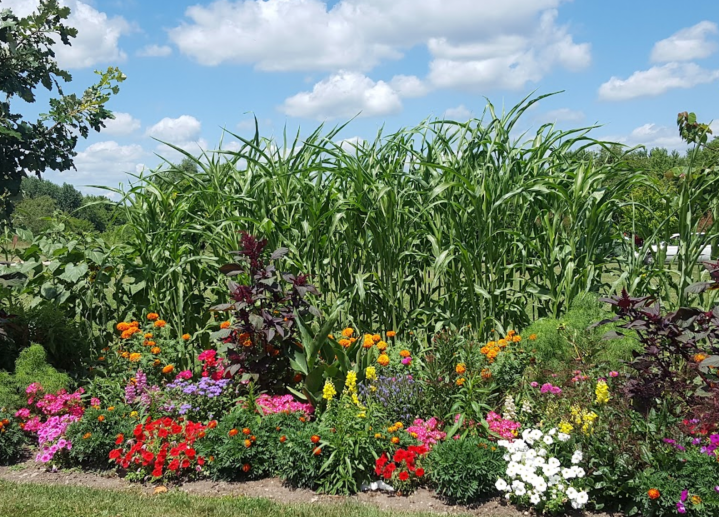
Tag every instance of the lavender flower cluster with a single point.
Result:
(399, 395)
(137, 390)
(206, 387)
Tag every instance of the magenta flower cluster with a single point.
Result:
(282, 404)
(50, 437)
(548, 388)
(426, 432)
(507, 429)
(139, 390)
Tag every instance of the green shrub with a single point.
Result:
(31, 366)
(93, 437)
(12, 438)
(465, 470)
(227, 443)
(296, 464)
(569, 339)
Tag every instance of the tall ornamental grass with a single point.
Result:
(446, 223)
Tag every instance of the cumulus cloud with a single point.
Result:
(687, 44)
(656, 81)
(482, 38)
(122, 125)
(154, 51)
(562, 115)
(102, 163)
(344, 95)
(651, 135)
(97, 38)
(184, 128)
(460, 113)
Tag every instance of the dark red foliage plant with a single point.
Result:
(680, 350)
(265, 303)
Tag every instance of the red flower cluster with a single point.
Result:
(162, 446)
(403, 465)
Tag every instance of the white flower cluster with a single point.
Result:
(510, 409)
(536, 475)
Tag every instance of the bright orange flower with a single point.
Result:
(460, 381)
(391, 333)
(101, 418)
(376, 338)
(153, 316)
(246, 431)
(345, 342)
(315, 438)
(348, 332)
(317, 451)
(233, 432)
(248, 444)
(148, 336)
(186, 337)
(122, 326)
(225, 325)
(134, 357)
(160, 323)
(395, 440)
(460, 368)
(168, 369)
(127, 334)
(516, 339)
(532, 337)
(653, 494)
(698, 358)
(383, 360)
(405, 353)
(283, 439)
(246, 467)
(212, 424)
(155, 350)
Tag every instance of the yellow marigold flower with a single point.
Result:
(602, 392)
(225, 325)
(461, 381)
(391, 333)
(186, 337)
(133, 414)
(148, 336)
(532, 337)
(122, 326)
(153, 316)
(160, 323)
(125, 355)
(367, 343)
(348, 332)
(134, 357)
(111, 408)
(127, 334)
(391, 429)
(376, 338)
(329, 391)
(398, 425)
(696, 500)
(345, 343)
(484, 350)
(370, 373)
(460, 368)
(383, 359)
(168, 369)
(511, 333)
(378, 435)
(330, 336)
(502, 343)
(155, 350)
(413, 434)
(381, 345)
(395, 440)
(404, 353)
(516, 339)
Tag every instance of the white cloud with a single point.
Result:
(562, 115)
(154, 51)
(123, 124)
(409, 86)
(185, 128)
(460, 113)
(344, 94)
(651, 135)
(102, 163)
(97, 34)
(656, 81)
(351, 144)
(687, 44)
(482, 38)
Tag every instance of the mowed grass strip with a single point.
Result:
(35, 500)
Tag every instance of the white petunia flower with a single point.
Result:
(548, 440)
(563, 437)
(501, 485)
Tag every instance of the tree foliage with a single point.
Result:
(27, 61)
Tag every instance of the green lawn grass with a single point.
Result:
(35, 500)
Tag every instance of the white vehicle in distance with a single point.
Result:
(672, 249)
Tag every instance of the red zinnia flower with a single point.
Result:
(419, 472)
(114, 454)
(120, 439)
(185, 463)
(174, 465)
(403, 476)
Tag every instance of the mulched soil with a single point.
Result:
(421, 501)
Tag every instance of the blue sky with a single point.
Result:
(194, 67)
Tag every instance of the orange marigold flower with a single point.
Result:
(376, 338)
(381, 346)
(315, 438)
(698, 358)
(345, 343)
(516, 339)
(367, 343)
(348, 332)
(212, 424)
(101, 358)
(653, 494)
(404, 353)
(283, 439)
(134, 325)
(511, 333)
(502, 343)
(486, 373)
(233, 432)
(86, 436)
(101, 418)
(127, 334)
(246, 467)
(122, 326)
(160, 323)
(395, 440)
(186, 337)
(225, 325)
(156, 363)
(460, 368)
(155, 350)
(125, 355)
(168, 369)
(111, 408)
(317, 451)
(484, 350)
(248, 444)
(461, 381)
(153, 316)
(383, 360)
(391, 333)
(246, 431)
(330, 336)
(532, 337)
(247, 343)
(148, 336)
(353, 340)
(134, 357)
